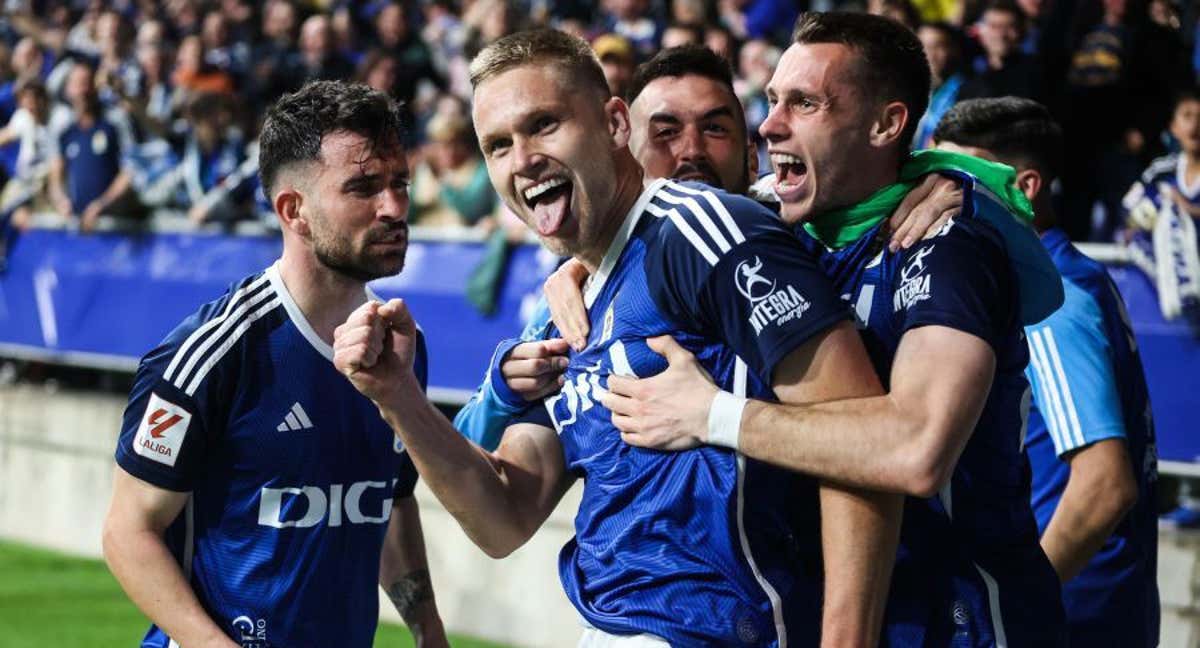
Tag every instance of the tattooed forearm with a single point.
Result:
(410, 592)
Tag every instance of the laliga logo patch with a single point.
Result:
(914, 283)
(769, 304)
(160, 436)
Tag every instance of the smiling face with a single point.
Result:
(818, 131)
(549, 145)
(690, 128)
(357, 208)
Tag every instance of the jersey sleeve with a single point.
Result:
(726, 267)
(167, 427)
(485, 416)
(960, 279)
(1072, 376)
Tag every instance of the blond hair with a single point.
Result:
(571, 54)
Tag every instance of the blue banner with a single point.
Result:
(105, 299)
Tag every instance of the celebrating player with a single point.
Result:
(258, 498)
(942, 322)
(686, 123)
(689, 548)
(1090, 436)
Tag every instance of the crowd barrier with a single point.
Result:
(104, 299)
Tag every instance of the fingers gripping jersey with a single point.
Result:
(699, 547)
(291, 472)
(969, 570)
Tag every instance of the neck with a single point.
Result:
(1192, 163)
(325, 297)
(627, 191)
(1044, 217)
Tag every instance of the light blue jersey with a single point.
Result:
(1088, 386)
(291, 473)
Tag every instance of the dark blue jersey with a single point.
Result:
(969, 571)
(291, 472)
(1088, 387)
(92, 159)
(704, 546)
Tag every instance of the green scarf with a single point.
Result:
(841, 227)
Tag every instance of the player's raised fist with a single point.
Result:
(374, 348)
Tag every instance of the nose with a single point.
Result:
(393, 204)
(527, 159)
(775, 128)
(692, 145)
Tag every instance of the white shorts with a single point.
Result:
(596, 638)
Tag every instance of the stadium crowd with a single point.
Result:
(124, 107)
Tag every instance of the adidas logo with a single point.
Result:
(295, 420)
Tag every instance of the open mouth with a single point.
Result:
(550, 202)
(790, 174)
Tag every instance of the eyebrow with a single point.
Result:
(671, 118)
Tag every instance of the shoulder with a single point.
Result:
(706, 221)
(1162, 168)
(205, 340)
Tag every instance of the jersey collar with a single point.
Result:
(297, 316)
(596, 282)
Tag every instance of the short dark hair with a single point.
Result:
(681, 61)
(1014, 129)
(892, 65)
(571, 54)
(1189, 93)
(297, 123)
(1006, 6)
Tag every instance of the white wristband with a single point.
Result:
(725, 419)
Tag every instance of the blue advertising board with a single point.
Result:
(105, 299)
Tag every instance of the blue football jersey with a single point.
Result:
(1089, 386)
(291, 472)
(704, 546)
(969, 570)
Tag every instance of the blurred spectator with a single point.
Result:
(617, 59)
(1120, 80)
(317, 59)
(901, 11)
(416, 61)
(271, 55)
(29, 128)
(690, 12)
(220, 50)
(1162, 208)
(28, 59)
(453, 187)
(771, 20)
(631, 19)
(193, 74)
(151, 106)
(1003, 69)
(212, 174)
(756, 65)
(721, 41)
(680, 34)
(943, 48)
(86, 175)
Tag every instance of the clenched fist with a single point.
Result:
(374, 348)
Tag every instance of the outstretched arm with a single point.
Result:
(499, 499)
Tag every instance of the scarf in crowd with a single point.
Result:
(841, 227)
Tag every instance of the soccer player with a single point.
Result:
(1090, 435)
(686, 123)
(258, 498)
(693, 548)
(940, 321)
